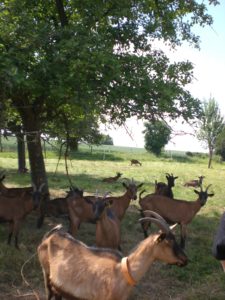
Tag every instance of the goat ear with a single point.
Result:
(161, 237)
(196, 192)
(176, 177)
(211, 195)
(140, 185)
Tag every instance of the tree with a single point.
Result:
(211, 125)
(157, 135)
(106, 139)
(220, 144)
(95, 56)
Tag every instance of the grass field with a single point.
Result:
(202, 278)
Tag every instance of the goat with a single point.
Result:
(81, 209)
(75, 271)
(15, 208)
(107, 225)
(164, 189)
(57, 207)
(174, 210)
(12, 191)
(135, 162)
(195, 182)
(113, 179)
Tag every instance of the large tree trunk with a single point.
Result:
(36, 159)
(21, 153)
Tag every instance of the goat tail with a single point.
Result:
(53, 230)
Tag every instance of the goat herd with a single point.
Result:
(73, 270)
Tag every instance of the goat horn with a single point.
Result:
(207, 187)
(162, 224)
(106, 194)
(173, 226)
(41, 187)
(34, 186)
(154, 214)
(96, 194)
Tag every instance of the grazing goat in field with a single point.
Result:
(135, 162)
(112, 179)
(107, 224)
(174, 210)
(14, 209)
(12, 191)
(164, 189)
(75, 271)
(195, 182)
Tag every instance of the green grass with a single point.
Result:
(202, 278)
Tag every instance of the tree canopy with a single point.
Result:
(157, 135)
(97, 57)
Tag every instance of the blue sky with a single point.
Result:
(209, 73)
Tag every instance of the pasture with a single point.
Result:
(202, 278)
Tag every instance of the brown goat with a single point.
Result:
(164, 189)
(58, 207)
(81, 209)
(195, 182)
(174, 210)
(12, 191)
(121, 203)
(135, 162)
(75, 271)
(113, 179)
(107, 225)
(14, 209)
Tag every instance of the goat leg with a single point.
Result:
(16, 234)
(11, 226)
(183, 229)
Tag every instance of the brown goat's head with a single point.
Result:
(203, 195)
(167, 249)
(132, 188)
(100, 205)
(37, 195)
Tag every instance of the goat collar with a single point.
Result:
(126, 271)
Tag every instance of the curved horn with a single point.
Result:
(41, 187)
(162, 225)
(34, 186)
(208, 187)
(154, 214)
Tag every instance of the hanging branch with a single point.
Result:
(60, 154)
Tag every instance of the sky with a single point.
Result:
(209, 74)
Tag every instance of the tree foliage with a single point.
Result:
(96, 57)
(157, 135)
(210, 126)
(220, 144)
(106, 139)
